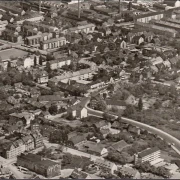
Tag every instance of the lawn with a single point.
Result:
(6, 54)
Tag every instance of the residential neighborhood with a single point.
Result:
(90, 89)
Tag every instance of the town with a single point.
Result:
(90, 89)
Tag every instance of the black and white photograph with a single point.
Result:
(89, 89)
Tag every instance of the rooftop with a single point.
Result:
(148, 151)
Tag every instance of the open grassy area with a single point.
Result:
(6, 54)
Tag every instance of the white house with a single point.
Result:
(59, 63)
(78, 111)
(106, 165)
(87, 28)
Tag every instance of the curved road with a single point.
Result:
(167, 137)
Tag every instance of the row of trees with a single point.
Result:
(122, 158)
(147, 167)
(14, 76)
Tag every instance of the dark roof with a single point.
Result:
(94, 147)
(118, 146)
(147, 152)
(77, 139)
(38, 160)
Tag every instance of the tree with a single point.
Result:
(66, 94)
(48, 67)
(29, 76)
(35, 60)
(9, 66)
(53, 110)
(49, 57)
(129, 110)
(7, 80)
(173, 91)
(162, 90)
(40, 60)
(106, 116)
(3, 95)
(140, 104)
(104, 95)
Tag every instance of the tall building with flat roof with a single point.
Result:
(150, 155)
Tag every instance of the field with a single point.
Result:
(6, 54)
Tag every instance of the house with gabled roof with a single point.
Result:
(78, 111)
(29, 142)
(102, 125)
(118, 146)
(110, 166)
(95, 148)
(112, 103)
(78, 140)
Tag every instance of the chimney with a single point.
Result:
(39, 6)
(79, 13)
(119, 6)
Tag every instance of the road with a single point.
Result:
(71, 151)
(167, 137)
(17, 174)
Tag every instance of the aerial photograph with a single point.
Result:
(90, 89)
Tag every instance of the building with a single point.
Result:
(53, 43)
(11, 149)
(109, 166)
(39, 165)
(145, 18)
(3, 25)
(102, 125)
(56, 64)
(82, 74)
(35, 40)
(29, 142)
(77, 140)
(87, 28)
(77, 111)
(118, 146)
(11, 36)
(42, 77)
(159, 29)
(112, 103)
(150, 154)
(95, 148)
(38, 139)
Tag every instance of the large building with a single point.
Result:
(53, 43)
(150, 155)
(39, 165)
(11, 148)
(145, 18)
